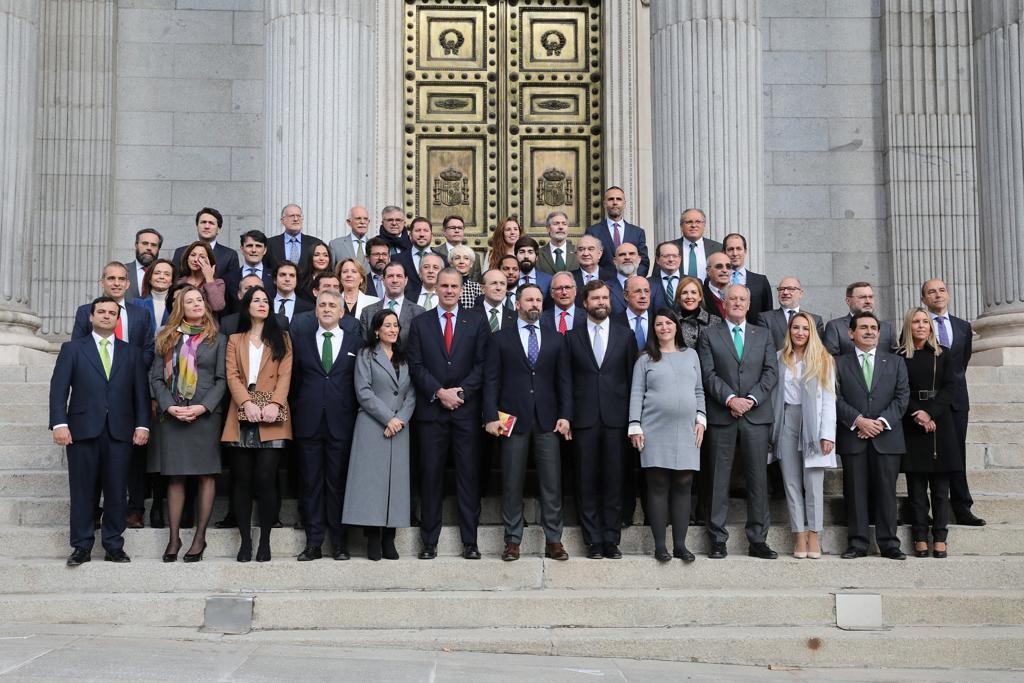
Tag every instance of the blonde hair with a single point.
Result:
(818, 362)
(359, 267)
(906, 346)
(167, 337)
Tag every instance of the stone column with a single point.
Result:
(999, 92)
(390, 107)
(74, 156)
(321, 108)
(706, 111)
(621, 146)
(19, 36)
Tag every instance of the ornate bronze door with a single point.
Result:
(503, 112)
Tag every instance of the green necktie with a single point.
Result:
(494, 320)
(559, 261)
(737, 340)
(327, 355)
(670, 289)
(105, 356)
(428, 301)
(691, 266)
(391, 305)
(868, 370)
(360, 253)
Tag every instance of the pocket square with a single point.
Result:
(351, 354)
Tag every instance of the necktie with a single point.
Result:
(737, 341)
(638, 331)
(252, 271)
(868, 370)
(391, 305)
(360, 254)
(670, 289)
(598, 346)
(293, 246)
(327, 355)
(691, 265)
(559, 261)
(282, 309)
(616, 236)
(510, 298)
(735, 279)
(943, 334)
(532, 346)
(428, 300)
(105, 356)
(789, 315)
(119, 327)
(448, 332)
(526, 279)
(562, 328)
(378, 284)
(493, 322)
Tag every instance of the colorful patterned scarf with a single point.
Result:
(184, 384)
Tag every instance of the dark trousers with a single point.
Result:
(668, 498)
(102, 461)
(254, 471)
(918, 484)
(752, 442)
(137, 481)
(634, 485)
(515, 451)
(438, 438)
(871, 474)
(600, 452)
(701, 491)
(324, 472)
(959, 492)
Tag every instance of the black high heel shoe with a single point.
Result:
(662, 556)
(374, 544)
(263, 552)
(189, 557)
(245, 553)
(169, 556)
(387, 543)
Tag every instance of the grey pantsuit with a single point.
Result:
(804, 485)
(514, 452)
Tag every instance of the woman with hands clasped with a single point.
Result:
(198, 268)
(804, 429)
(666, 424)
(377, 492)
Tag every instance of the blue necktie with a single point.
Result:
(638, 330)
(532, 346)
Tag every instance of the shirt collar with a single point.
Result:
(441, 312)
(96, 338)
(935, 316)
(522, 324)
(603, 324)
(674, 273)
(861, 354)
(742, 326)
(633, 315)
(571, 311)
(320, 330)
(611, 224)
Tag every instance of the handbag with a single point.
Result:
(262, 399)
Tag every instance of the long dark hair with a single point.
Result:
(653, 346)
(375, 324)
(272, 333)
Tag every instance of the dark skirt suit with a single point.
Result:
(930, 457)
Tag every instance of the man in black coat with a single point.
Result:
(735, 247)
(208, 224)
(860, 298)
(293, 244)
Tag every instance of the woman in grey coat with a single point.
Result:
(377, 492)
(666, 424)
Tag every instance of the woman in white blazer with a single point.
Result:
(353, 282)
(804, 429)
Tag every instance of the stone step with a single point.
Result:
(1011, 392)
(12, 393)
(38, 457)
(996, 433)
(994, 456)
(26, 373)
(991, 374)
(24, 414)
(987, 481)
(36, 434)
(982, 413)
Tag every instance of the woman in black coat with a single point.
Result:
(932, 447)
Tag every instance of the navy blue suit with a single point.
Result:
(633, 234)
(441, 431)
(548, 319)
(960, 355)
(603, 273)
(233, 280)
(102, 416)
(140, 329)
(276, 251)
(539, 278)
(618, 296)
(147, 303)
(323, 408)
(659, 297)
(226, 258)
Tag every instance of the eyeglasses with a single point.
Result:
(721, 266)
(562, 288)
(780, 290)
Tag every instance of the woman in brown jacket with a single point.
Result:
(259, 372)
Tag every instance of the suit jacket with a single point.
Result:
(577, 275)
(550, 321)
(134, 284)
(302, 308)
(618, 296)
(539, 395)
(887, 398)
(140, 329)
(633, 234)
(508, 317)
(760, 296)
(317, 395)
(409, 310)
(541, 279)
(147, 303)
(710, 247)
(226, 257)
(212, 385)
(406, 259)
(603, 390)
(234, 280)
(433, 368)
(960, 357)
(712, 303)
(120, 403)
(341, 249)
(775, 321)
(659, 297)
(276, 252)
(726, 375)
(546, 262)
(274, 378)
(837, 337)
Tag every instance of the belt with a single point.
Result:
(926, 394)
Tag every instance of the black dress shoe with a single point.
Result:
(79, 557)
(341, 554)
(939, 554)
(194, 557)
(921, 553)
(429, 552)
(594, 551)
(662, 556)
(967, 518)
(310, 552)
(718, 551)
(762, 551)
(118, 556)
(684, 555)
(227, 523)
(156, 519)
(471, 552)
(263, 553)
(611, 551)
(893, 554)
(852, 553)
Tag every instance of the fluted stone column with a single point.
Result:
(621, 165)
(321, 61)
(74, 144)
(999, 93)
(706, 112)
(931, 157)
(390, 106)
(19, 36)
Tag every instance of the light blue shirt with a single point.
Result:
(441, 318)
(289, 305)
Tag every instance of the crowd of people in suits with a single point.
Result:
(369, 366)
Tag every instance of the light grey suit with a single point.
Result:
(134, 284)
(775, 321)
(341, 249)
(410, 309)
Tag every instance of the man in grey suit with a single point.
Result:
(874, 392)
(777, 320)
(394, 299)
(739, 369)
(147, 249)
(559, 253)
(860, 298)
(694, 248)
(352, 245)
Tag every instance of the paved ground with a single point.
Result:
(101, 653)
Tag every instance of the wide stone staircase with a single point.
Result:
(963, 612)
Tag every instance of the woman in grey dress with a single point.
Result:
(666, 424)
(188, 382)
(377, 492)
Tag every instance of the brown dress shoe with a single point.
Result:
(511, 552)
(555, 551)
(134, 521)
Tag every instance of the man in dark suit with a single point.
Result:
(526, 249)
(286, 302)
(392, 230)
(694, 247)
(559, 253)
(324, 411)
(491, 303)
(254, 249)
(447, 351)
(626, 260)
(394, 283)
(565, 315)
(134, 324)
(614, 230)
(378, 255)
(756, 283)
(739, 370)
(665, 278)
(420, 234)
(510, 268)
(588, 256)
(208, 224)
(860, 298)
(874, 392)
(147, 249)
(293, 244)
(956, 335)
(719, 272)
(107, 414)
(777, 320)
(602, 356)
(454, 228)
(528, 376)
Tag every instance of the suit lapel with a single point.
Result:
(727, 335)
(381, 359)
(119, 359)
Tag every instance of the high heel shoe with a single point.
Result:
(940, 554)
(263, 553)
(189, 557)
(387, 543)
(813, 546)
(374, 549)
(800, 545)
(245, 553)
(169, 556)
(921, 549)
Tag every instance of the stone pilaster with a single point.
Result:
(933, 218)
(621, 165)
(74, 156)
(390, 107)
(706, 111)
(321, 106)
(999, 92)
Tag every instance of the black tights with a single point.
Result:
(668, 494)
(247, 465)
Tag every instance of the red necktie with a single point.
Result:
(448, 332)
(562, 329)
(118, 330)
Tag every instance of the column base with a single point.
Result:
(1001, 339)
(19, 329)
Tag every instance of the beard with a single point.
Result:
(525, 267)
(625, 269)
(531, 316)
(599, 312)
(145, 259)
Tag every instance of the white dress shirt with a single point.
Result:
(874, 368)
(791, 390)
(423, 298)
(592, 328)
(140, 274)
(945, 323)
(255, 358)
(337, 336)
(702, 258)
(397, 307)
(500, 308)
(524, 335)
(590, 277)
(289, 304)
